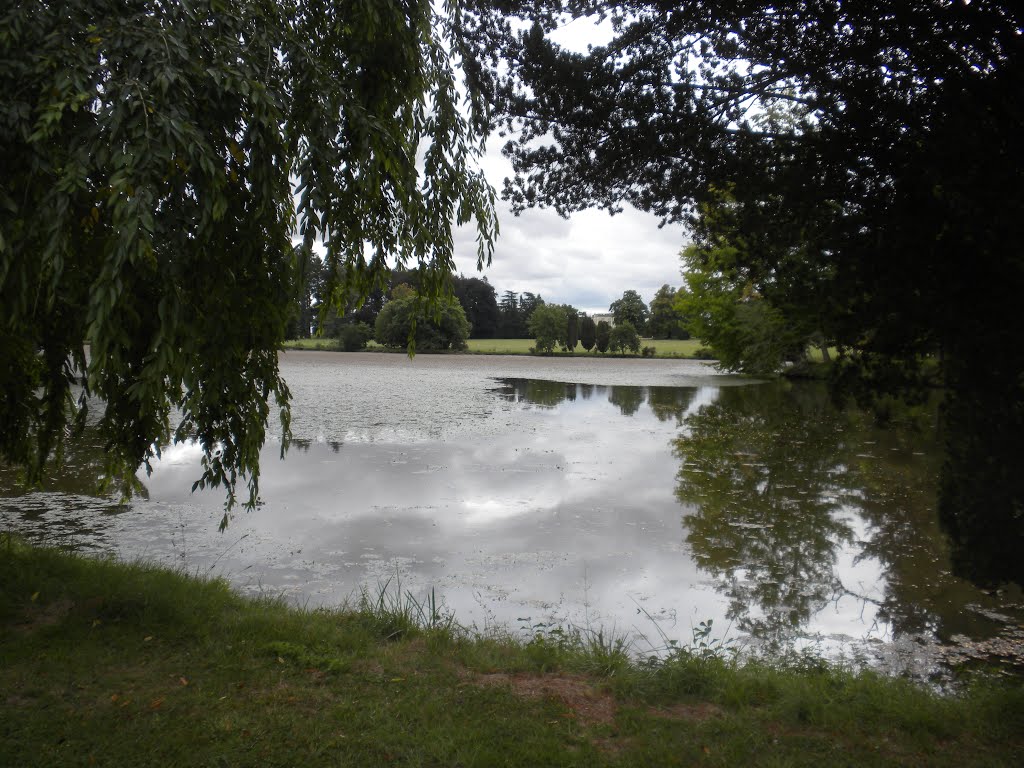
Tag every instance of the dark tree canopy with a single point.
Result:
(572, 330)
(149, 157)
(528, 302)
(514, 312)
(510, 322)
(310, 293)
(602, 336)
(480, 303)
(588, 333)
(873, 153)
(666, 321)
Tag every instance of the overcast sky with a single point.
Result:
(587, 260)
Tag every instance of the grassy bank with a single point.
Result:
(671, 348)
(110, 664)
(663, 347)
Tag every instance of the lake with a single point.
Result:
(639, 496)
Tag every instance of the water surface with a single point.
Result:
(643, 496)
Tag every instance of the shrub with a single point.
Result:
(354, 336)
(588, 333)
(604, 334)
(648, 351)
(572, 330)
(447, 328)
(624, 338)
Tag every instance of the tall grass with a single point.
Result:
(395, 612)
(117, 664)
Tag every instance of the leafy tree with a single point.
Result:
(666, 321)
(728, 304)
(588, 332)
(354, 336)
(476, 295)
(514, 311)
(754, 320)
(624, 338)
(480, 303)
(355, 308)
(871, 148)
(365, 311)
(156, 160)
(402, 291)
(410, 278)
(510, 323)
(528, 302)
(745, 333)
(434, 328)
(630, 309)
(572, 331)
(547, 324)
(310, 284)
(603, 336)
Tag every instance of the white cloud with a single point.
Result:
(587, 260)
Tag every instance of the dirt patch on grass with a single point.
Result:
(693, 713)
(588, 704)
(14, 701)
(367, 668)
(584, 702)
(38, 617)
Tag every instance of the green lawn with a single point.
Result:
(129, 665)
(501, 346)
(663, 347)
(325, 343)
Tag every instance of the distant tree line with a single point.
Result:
(515, 311)
(475, 296)
(487, 316)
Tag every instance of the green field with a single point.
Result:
(325, 343)
(109, 664)
(663, 347)
(501, 346)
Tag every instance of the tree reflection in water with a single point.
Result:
(628, 399)
(537, 391)
(763, 469)
(669, 403)
(781, 483)
(666, 403)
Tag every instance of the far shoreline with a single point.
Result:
(689, 349)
